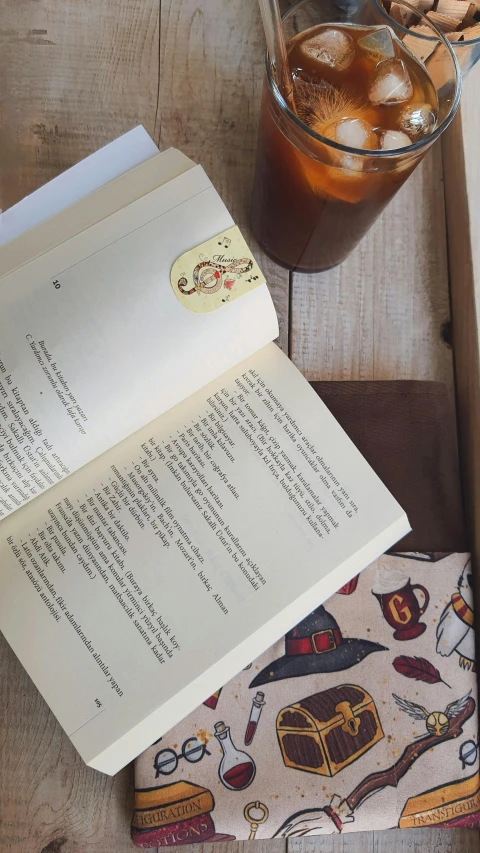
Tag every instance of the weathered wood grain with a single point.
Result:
(50, 802)
(462, 192)
(73, 76)
(423, 840)
(394, 841)
(384, 314)
(212, 61)
(356, 842)
(380, 314)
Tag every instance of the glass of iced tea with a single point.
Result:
(363, 111)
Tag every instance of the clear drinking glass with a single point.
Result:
(314, 198)
(467, 52)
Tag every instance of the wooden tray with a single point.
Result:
(461, 168)
(74, 75)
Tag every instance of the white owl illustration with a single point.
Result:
(455, 629)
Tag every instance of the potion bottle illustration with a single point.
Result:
(257, 704)
(237, 770)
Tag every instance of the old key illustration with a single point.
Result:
(249, 814)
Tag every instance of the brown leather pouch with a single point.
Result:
(406, 431)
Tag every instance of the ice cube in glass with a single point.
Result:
(417, 120)
(354, 132)
(331, 47)
(378, 44)
(391, 83)
(391, 139)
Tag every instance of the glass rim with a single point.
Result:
(384, 12)
(362, 152)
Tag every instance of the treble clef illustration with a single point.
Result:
(208, 276)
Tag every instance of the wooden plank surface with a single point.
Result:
(384, 314)
(76, 74)
(393, 841)
(381, 314)
(73, 76)
(212, 60)
(462, 193)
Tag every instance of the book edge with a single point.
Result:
(109, 761)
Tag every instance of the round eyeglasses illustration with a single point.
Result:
(166, 760)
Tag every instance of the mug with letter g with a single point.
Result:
(400, 606)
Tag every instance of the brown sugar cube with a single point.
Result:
(422, 48)
(456, 9)
(444, 22)
(402, 15)
(397, 13)
(439, 66)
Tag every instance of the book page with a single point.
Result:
(90, 209)
(73, 184)
(94, 343)
(164, 567)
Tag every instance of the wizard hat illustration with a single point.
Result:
(316, 645)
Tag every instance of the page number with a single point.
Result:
(56, 284)
(98, 703)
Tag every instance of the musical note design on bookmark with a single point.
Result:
(216, 272)
(207, 276)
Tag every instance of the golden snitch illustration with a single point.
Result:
(437, 722)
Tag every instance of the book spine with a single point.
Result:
(160, 815)
(191, 831)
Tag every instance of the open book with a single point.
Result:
(173, 494)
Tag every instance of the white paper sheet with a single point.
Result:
(90, 174)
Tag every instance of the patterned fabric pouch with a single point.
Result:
(374, 688)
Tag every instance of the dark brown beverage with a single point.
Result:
(356, 87)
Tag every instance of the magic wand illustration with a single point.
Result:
(340, 811)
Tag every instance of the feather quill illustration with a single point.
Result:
(418, 668)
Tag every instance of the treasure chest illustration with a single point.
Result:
(329, 730)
